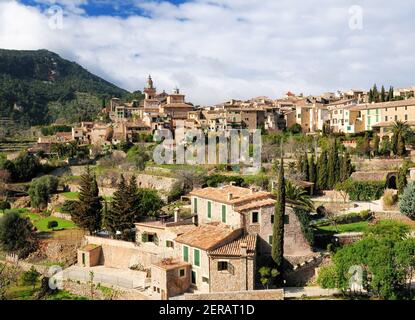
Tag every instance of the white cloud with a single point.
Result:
(215, 50)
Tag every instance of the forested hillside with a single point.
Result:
(39, 87)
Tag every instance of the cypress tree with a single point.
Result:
(333, 166)
(87, 213)
(376, 144)
(313, 172)
(401, 148)
(322, 171)
(383, 94)
(402, 180)
(300, 164)
(277, 252)
(346, 168)
(375, 93)
(391, 94)
(306, 168)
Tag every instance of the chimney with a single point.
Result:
(244, 249)
(230, 196)
(176, 214)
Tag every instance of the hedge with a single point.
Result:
(365, 190)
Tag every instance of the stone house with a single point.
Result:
(194, 247)
(252, 211)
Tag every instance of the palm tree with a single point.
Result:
(298, 197)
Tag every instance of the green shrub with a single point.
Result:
(348, 218)
(327, 277)
(52, 224)
(354, 217)
(407, 203)
(365, 190)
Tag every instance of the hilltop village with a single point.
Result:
(337, 175)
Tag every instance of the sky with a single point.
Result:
(217, 50)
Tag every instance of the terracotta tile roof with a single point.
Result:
(179, 230)
(239, 195)
(208, 236)
(233, 249)
(256, 204)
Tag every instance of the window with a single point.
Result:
(209, 210)
(255, 217)
(286, 219)
(406, 117)
(386, 118)
(205, 280)
(169, 244)
(222, 265)
(182, 273)
(195, 205)
(186, 253)
(193, 277)
(196, 257)
(270, 239)
(406, 108)
(272, 219)
(224, 213)
(396, 118)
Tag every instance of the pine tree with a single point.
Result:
(277, 252)
(87, 213)
(313, 172)
(133, 199)
(305, 168)
(322, 171)
(118, 215)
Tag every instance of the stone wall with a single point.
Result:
(240, 278)
(242, 295)
(84, 290)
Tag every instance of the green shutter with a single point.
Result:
(196, 257)
(286, 219)
(209, 210)
(144, 237)
(223, 213)
(195, 205)
(186, 254)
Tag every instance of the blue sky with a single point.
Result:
(122, 8)
(216, 50)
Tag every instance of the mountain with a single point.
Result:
(39, 87)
